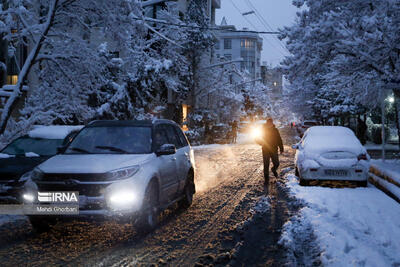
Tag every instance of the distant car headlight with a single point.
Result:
(121, 199)
(123, 173)
(256, 132)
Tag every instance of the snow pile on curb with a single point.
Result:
(351, 227)
(390, 168)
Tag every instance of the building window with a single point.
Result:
(12, 79)
(185, 116)
(228, 57)
(245, 43)
(227, 43)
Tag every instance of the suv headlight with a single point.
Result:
(36, 174)
(123, 173)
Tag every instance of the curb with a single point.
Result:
(385, 183)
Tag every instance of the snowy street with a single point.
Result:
(233, 219)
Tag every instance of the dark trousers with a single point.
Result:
(267, 157)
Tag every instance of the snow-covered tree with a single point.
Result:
(98, 59)
(344, 54)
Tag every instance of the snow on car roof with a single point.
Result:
(329, 130)
(321, 139)
(53, 131)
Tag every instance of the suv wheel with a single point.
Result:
(188, 192)
(304, 182)
(149, 217)
(297, 172)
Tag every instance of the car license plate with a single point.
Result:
(336, 172)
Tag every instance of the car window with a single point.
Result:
(112, 140)
(172, 137)
(181, 136)
(160, 136)
(40, 146)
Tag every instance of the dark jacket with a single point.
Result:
(271, 139)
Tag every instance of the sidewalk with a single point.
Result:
(386, 176)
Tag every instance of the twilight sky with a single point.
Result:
(276, 14)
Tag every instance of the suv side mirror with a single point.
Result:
(166, 149)
(295, 146)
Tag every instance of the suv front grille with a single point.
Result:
(91, 190)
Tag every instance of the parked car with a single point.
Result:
(301, 128)
(220, 134)
(127, 169)
(23, 154)
(331, 153)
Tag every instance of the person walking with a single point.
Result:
(234, 131)
(270, 141)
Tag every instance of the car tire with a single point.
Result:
(296, 172)
(304, 182)
(150, 214)
(40, 224)
(188, 192)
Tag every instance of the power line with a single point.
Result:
(264, 22)
(248, 21)
(272, 45)
(203, 28)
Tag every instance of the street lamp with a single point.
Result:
(391, 99)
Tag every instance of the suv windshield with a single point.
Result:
(112, 140)
(42, 147)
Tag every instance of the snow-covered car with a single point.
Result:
(23, 154)
(130, 170)
(302, 128)
(331, 153)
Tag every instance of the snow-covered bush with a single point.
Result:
(195, 136)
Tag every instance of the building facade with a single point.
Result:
(245, 47)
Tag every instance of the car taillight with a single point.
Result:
(303, 126)
(362, 157)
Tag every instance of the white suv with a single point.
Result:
(133, 169)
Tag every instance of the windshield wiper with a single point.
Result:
(78, 149)
(114, 149)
